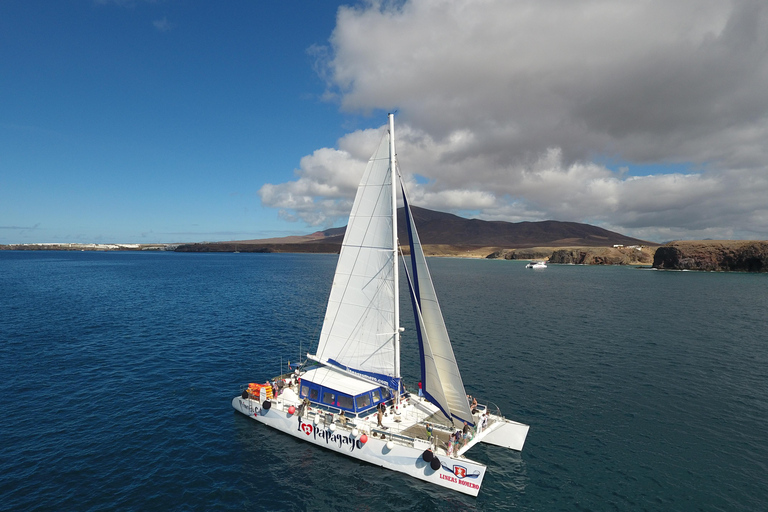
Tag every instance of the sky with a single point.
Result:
(165, 121)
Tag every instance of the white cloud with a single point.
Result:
(505, 105)
(162, 25)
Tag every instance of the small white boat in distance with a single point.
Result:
(350, 397)
(538, 264)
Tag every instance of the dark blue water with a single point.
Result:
(644, 390)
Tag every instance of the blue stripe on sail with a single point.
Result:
(413, 284)
(421, 351)
(419, 335)
(469, 421)
(379, 378)
(409, 225)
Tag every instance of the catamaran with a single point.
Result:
(349, 396)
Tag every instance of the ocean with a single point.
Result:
(644, 390)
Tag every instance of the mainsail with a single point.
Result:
(358, 331)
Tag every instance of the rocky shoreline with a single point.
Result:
(620, 255)
(704, 255)
(713, 255)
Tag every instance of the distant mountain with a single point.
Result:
(438, 228)
(445, 234)
(317, 236)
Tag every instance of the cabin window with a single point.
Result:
(363, 401)
(304, 391)
(313, 394)
(345, 402)
(376, 395)
(385, 393)
(328, 398)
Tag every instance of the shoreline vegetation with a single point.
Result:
(703, 255)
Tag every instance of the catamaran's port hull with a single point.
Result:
(459, 474)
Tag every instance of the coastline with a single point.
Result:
(702, 255)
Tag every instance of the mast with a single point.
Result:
(393, 174)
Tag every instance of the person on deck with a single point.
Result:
(303, 407)
(465, 434)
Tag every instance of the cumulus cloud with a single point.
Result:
(507, 108)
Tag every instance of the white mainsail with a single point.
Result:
(358, 331)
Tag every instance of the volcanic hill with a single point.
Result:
(446, 234)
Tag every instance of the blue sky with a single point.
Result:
(134, 121)
(171, 121)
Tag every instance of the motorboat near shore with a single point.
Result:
(349, 396)
(537, 265)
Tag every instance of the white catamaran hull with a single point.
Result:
(459, 474)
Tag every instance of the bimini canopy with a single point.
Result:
(326, 386)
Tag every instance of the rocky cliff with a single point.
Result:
(713, 255)
(533, 253)
(604, 255)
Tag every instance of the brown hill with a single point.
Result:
(451, 233)
(445, 228)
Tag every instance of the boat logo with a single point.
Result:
(342, 440)
(460, 476)
(460, 472)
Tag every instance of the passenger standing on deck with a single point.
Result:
(380, 413)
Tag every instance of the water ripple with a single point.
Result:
(645, 390)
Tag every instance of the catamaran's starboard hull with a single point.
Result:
(507, 434)
(460, 475)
